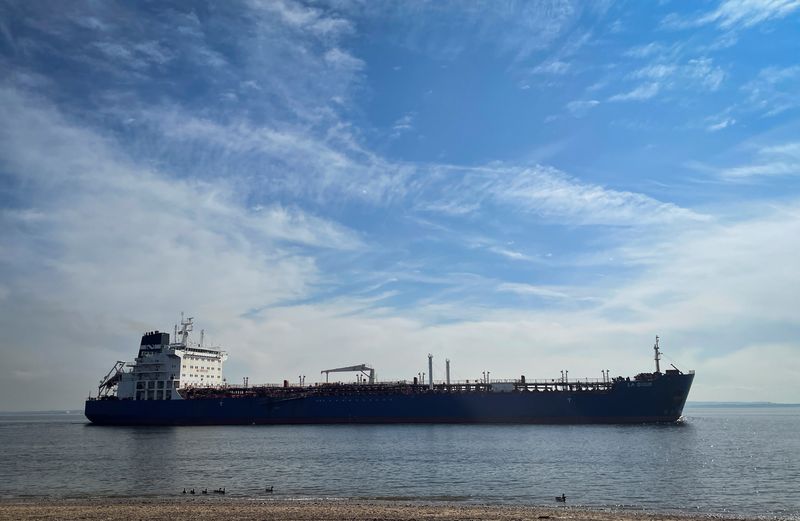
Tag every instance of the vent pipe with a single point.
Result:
(430, 371)
(447, 365)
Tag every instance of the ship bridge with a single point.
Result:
(162, 368)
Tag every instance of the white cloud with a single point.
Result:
(774, 90)
(581, 107)
(516, 32)
(714, 275)
(640, 93)
(770, 161)
(779, 360)
(736, 14)
(510, 254)
(695, 73)
(104, 238)
(403, 124)
(655, 72)
(304, 18)
(776, 168)
(721, 124)
(293, 225)
(554, 67)
(536, 291)
(449, 207)
(747, 13)
(553, 196)
(789, 150)
(343, 60)
(303, 162)
(701, 71)
(643, 51)
(549, 192)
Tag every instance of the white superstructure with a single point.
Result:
(162, 368)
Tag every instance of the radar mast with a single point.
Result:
(657, 356)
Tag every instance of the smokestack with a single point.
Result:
(430, 371)
(447, 364)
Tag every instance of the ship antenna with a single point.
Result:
(658, 356)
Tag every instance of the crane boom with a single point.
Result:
(363, 368)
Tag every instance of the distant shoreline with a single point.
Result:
(212, 508)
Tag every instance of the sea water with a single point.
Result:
(719, 460)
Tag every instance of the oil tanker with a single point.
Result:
(181, 383)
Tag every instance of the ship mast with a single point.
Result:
(186, 327)
(657, 356)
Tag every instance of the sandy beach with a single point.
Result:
(216, 508)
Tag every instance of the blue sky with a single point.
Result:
(522, 187)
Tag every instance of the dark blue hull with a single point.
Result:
(660, 400)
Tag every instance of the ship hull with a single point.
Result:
(660, 400)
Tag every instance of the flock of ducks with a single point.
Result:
(267, 490)
(560, 499)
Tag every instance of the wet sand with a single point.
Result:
(213, 508)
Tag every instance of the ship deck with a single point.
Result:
(393, 388)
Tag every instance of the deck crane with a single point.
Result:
(363, 368)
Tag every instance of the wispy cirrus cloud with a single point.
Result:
(773, 90)
(736, 14)
(552, 194)
(769, 161)
(699, 72)
(747, 13)
(579, 108)
(645, 50)
(92, 234)
(535, 291)
(721, 124)
(403, 124)
(554, 67)
(694, 74)
(642, 92)
(516, 31)
(304, 18)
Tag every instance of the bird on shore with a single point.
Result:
(219, 491)
(205, 491)
(268, 489)
(562, 498)
(191, 491)
(184, 491)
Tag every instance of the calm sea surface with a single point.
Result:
(742, 460)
